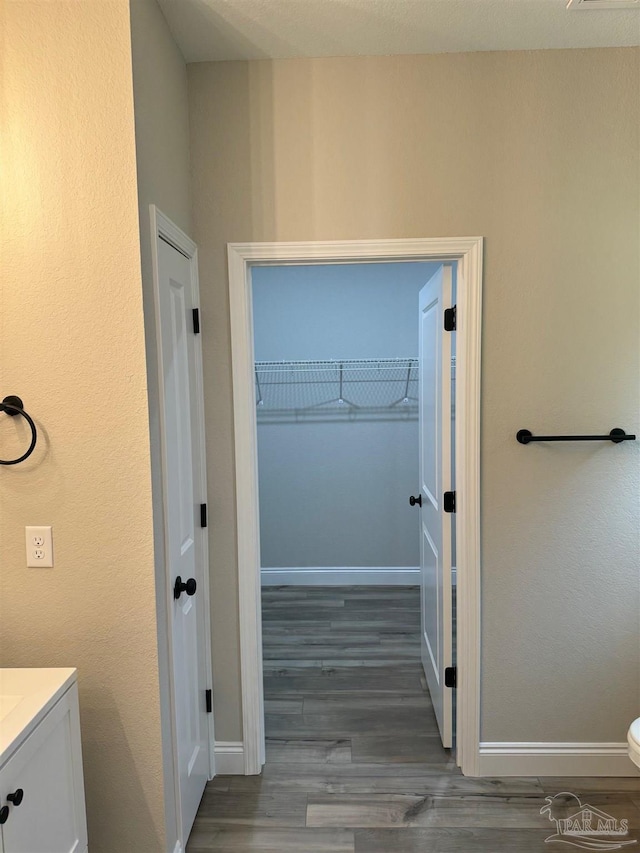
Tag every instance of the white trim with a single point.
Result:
(163, 227)
(342, 576)
(178, 847)
(248, 522)
(229, 758)
(468, 252)
(467, 449)
(555, 759)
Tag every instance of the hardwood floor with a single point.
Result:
(354, 761)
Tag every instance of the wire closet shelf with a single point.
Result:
(380, 387)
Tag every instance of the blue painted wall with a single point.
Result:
(336, 494)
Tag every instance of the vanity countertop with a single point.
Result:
(26, 695)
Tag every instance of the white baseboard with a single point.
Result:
(347, 576)
(229, 758)
(555, 759)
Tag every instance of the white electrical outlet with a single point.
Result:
(39, 547)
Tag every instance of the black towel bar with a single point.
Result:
(525, 436)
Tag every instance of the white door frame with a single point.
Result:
(467, 251)
(163, 228)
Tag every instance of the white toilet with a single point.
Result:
(633, 738)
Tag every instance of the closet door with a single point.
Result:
(435, 480)
(179, 396)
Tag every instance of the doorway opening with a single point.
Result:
(357, 594)
(336, 365)
(328, 388)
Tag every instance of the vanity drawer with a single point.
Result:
(47, 768)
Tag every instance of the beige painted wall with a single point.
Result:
(162, 155)
(537, 152)
(72, 345)
(161, 119)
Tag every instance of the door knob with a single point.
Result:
(17, 797)
(413, 501)
(4, 814)
(187, 586)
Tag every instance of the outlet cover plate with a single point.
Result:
(39, 541)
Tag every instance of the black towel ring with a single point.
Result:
(12, 406)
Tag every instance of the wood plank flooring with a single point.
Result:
(354, 761)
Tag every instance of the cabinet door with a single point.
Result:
(48, 769)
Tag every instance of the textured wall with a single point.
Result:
(162, 157)
(161, 120)
(538, 152)
(334, 311)
(72, 345)
(336, 494)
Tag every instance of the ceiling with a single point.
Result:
(277, 29)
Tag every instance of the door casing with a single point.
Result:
(163, 228)
(467, 251)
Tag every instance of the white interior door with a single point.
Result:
(435, 480)
(182, 519)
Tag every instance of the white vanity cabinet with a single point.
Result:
(41, 784)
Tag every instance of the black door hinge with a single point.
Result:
(449, 502)
(203, 515)
(450, 319)
(208, 701)
(450, 676)
(196, 321)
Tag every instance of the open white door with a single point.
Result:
(435, 480)
(184, 539)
